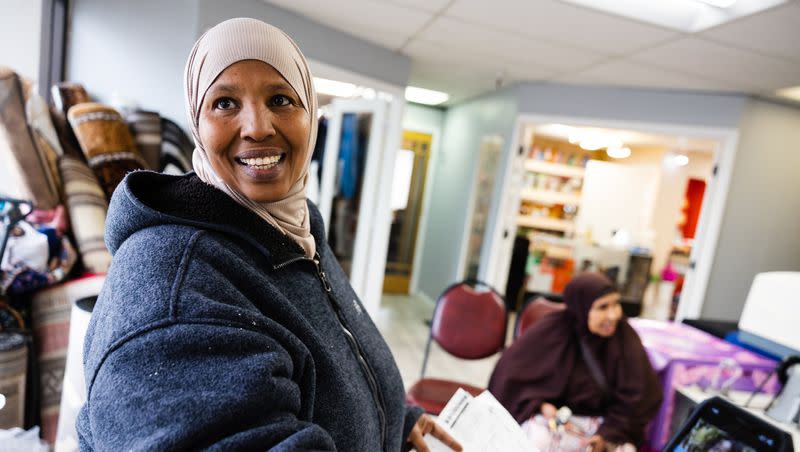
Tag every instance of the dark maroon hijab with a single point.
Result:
(546, 364)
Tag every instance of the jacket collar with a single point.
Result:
(188, 200)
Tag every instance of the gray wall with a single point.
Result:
(453, 178)
(761, 224)
(318, 41)
(630, 104)
(138, 48)
(20, 36)
(133, 49)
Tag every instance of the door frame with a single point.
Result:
(377, 248)
(494, 268)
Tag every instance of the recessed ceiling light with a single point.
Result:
(618, 153)
(718, 3)
(689, 16)
(681, 160)
(790, 93)
(334, 88)
(425, 96)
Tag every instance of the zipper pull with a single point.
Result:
(322, 277)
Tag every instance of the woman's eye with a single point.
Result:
(280, 100)
(224, 103)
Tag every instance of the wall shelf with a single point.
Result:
(550, 197)
(547, 223)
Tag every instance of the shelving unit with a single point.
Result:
(544, 196)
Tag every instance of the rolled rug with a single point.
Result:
(13, 373)
(25, 159)
(176, 148)
(87, 207)
(65, 96)
(106, 142)
(50, 316)
(68, 94)
(146, 128)
(45, 136)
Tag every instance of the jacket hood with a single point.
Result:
(145, 199)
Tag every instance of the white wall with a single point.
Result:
(670, 194)
(762, 213)
(20, 36)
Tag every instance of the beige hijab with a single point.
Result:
(250, 39)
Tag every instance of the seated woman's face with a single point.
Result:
(604, 315)
(255, 130)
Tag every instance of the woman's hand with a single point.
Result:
(596, 444)
(548, 410)
(425, 424)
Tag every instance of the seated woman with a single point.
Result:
(587, 358)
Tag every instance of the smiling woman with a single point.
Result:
(256, 131)
(225, 321)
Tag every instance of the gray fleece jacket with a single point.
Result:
(213, 331)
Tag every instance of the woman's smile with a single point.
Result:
(262, 165)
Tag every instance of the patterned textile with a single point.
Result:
(50, 314)
(13, 372)
(106, 142)
(26, 159)
(176, 147)
(146, 128)
(87, 207)
(570, 438)
(45, 137)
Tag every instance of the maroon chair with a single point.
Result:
(533, 311)
(469, 322)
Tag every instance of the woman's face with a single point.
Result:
(255, 130)
(605, 314)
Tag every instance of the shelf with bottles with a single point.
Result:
(547, 216)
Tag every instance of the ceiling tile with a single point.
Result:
(717, 62)
(564, 23)
(465, 58)
(624, 73)
(383, 38)
(344, 15)
(774, 32)
(459, 82)
(425, 5)
(511, 47)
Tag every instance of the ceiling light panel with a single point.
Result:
(684, 15)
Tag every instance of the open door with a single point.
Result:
(408, 189)
(351, 182)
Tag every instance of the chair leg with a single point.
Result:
(425, 358)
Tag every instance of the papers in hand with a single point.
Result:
(480, 424)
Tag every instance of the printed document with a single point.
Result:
(480, 424)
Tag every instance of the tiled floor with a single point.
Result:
(401, 319)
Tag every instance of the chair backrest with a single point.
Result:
(533, 311)
(470, 320)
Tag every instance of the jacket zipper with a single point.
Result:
(365, 367)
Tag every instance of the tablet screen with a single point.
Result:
(706, 437)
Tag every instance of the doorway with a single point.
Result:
(408, 188)
(695, 260)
